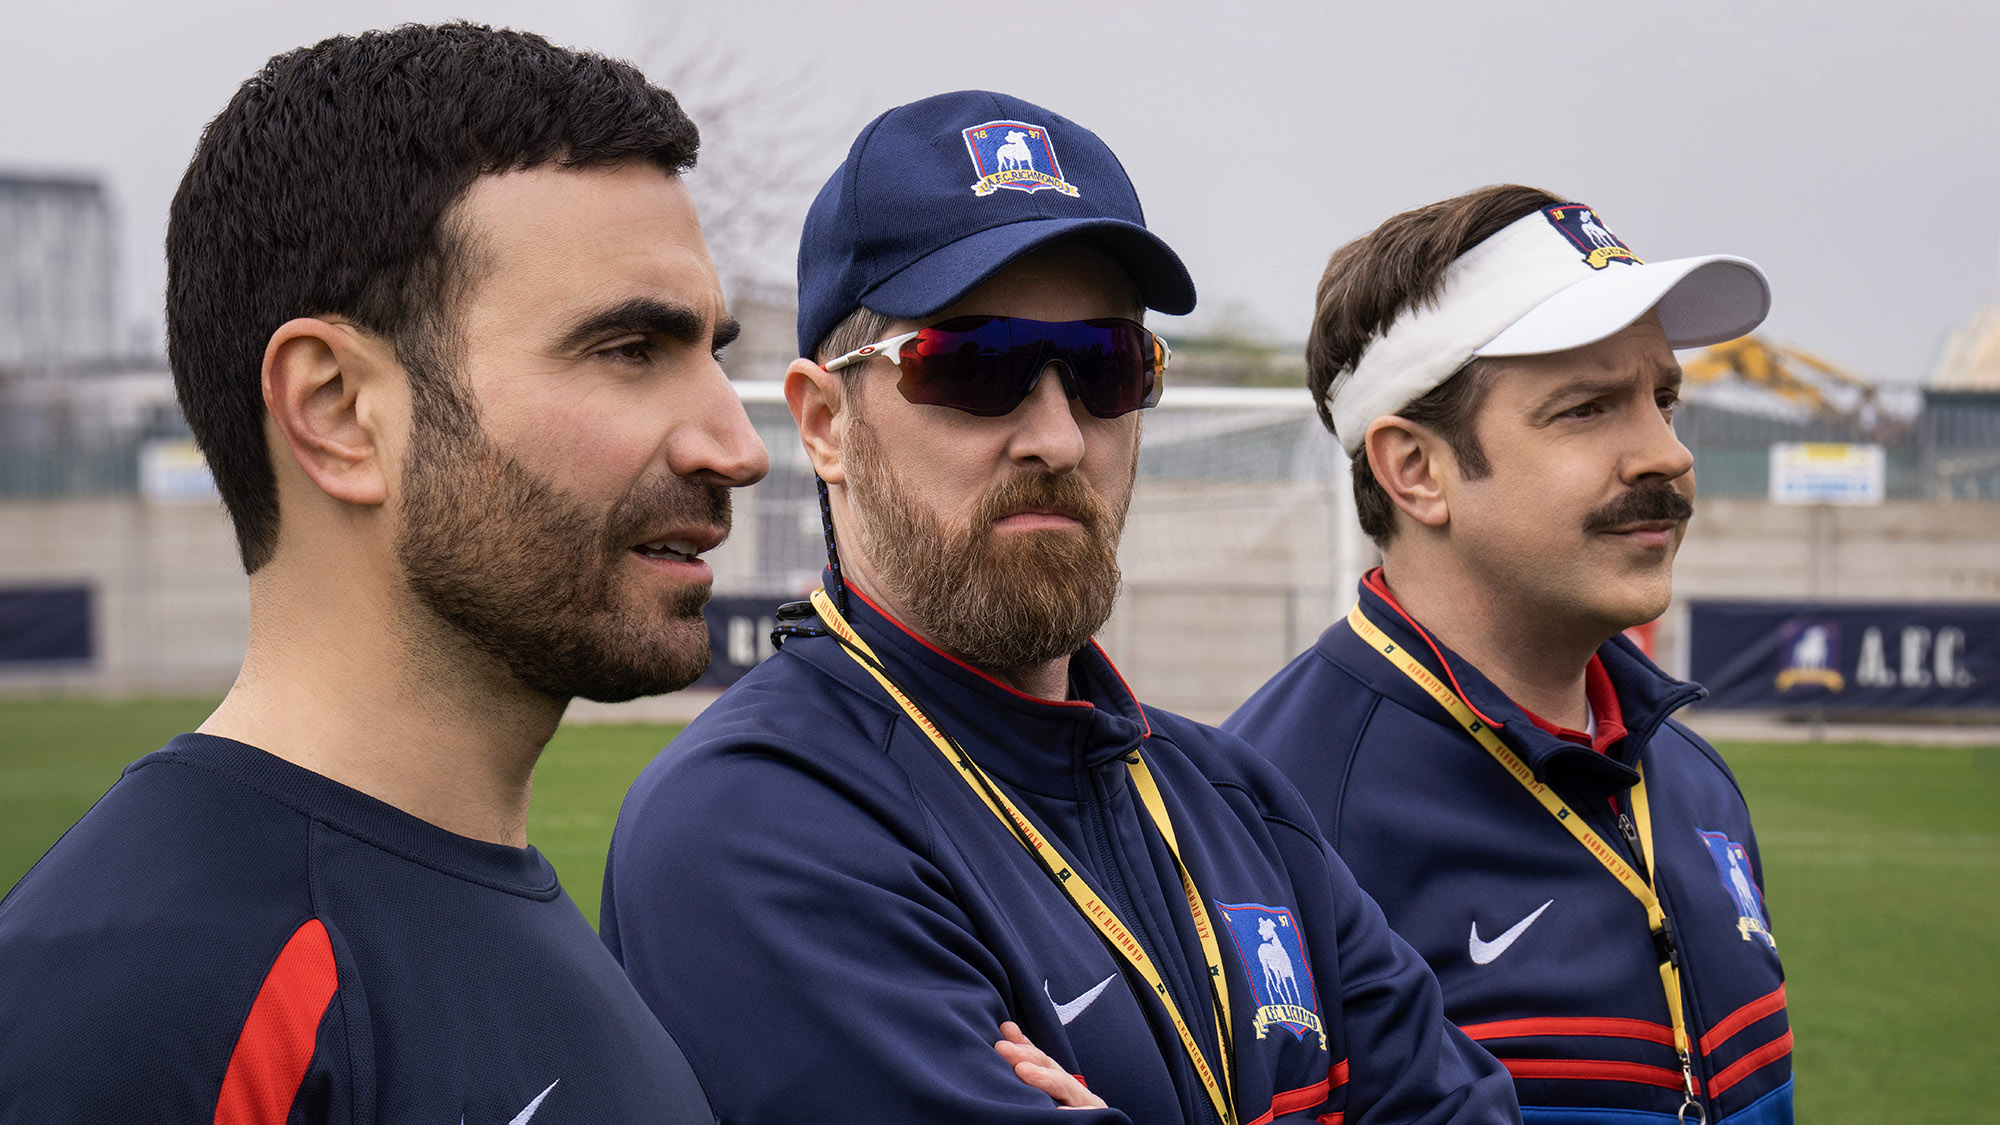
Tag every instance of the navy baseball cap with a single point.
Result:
(939, 195)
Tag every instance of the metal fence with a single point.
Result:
(1241, 544)
(83, 434)
(1950, 449)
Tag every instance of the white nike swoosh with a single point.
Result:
(1073, 1009)
(1483, 952)
(521, 1118)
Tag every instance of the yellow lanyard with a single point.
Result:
(1642, 838)
(1087, 900)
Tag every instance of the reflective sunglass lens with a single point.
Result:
(987, 365)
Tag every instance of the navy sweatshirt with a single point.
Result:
(1543, 956)
(834, 926)
(227, 937)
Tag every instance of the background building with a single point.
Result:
(57, 301)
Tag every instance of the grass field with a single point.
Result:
(1882, 864)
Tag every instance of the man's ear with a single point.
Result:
(817, 397)
(1414, 466)
(327, 387)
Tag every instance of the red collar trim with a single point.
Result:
(1144, 719)
(1015, 692)
(1603, 700)
(1373, 580)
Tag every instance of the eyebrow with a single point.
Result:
(650, 317)
(1669, 374)
(1578, 390)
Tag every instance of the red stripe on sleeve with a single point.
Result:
(1306, 1097)
(276, 1044)
(1601, 1070)
(1604, 1027)
(1742, 1068)
(1743, 1017)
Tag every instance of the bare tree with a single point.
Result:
(762, 157)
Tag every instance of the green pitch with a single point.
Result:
(58, 756)
(1882, 866)
(1882, 870)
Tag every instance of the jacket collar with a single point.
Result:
(1646, 695)
(1028, 742)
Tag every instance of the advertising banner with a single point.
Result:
(739, 635)
(44, 625)
(1890, 657)
(1827, 472)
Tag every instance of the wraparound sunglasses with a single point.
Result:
(987, 365)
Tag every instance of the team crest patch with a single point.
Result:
(1274, 960)
(1809, 653)
(1581, 226)
(1015, 155)
(1732, 863)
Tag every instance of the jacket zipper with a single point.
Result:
(1667, 948)
(1121, 897)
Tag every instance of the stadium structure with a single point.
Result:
(1240, 547)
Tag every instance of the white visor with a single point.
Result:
(1553, 280)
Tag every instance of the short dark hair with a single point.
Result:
(1370, 282)
(326, 187)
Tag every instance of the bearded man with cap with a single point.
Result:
(1488, 753)
(938, 815)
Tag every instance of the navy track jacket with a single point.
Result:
(1462, 858)
(834, 926)
(227, 937)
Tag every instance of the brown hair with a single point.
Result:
(1374, 279)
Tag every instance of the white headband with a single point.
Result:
(1553, 280)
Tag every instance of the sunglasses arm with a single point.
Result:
(891, 347)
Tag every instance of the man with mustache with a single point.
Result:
(937, 818)
(1494, 761)
(442, 319)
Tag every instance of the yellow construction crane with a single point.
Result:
(1774, 367)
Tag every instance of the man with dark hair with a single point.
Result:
(1490, 756)
(938, 817)
(443, 322)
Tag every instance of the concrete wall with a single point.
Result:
(1911, 551)
(170, 609)
(1199, 634)
(1224, 584)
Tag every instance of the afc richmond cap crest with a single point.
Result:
(938, 195)
(1015, 155)
(1588, 234)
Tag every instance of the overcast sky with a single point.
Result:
(1850, 148)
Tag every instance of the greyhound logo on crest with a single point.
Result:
(1732, 863)
(1016, 155)
(1274, 959)
(1809, 653)
(1581, 226)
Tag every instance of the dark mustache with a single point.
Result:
(693, 501)
(1654, 500)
